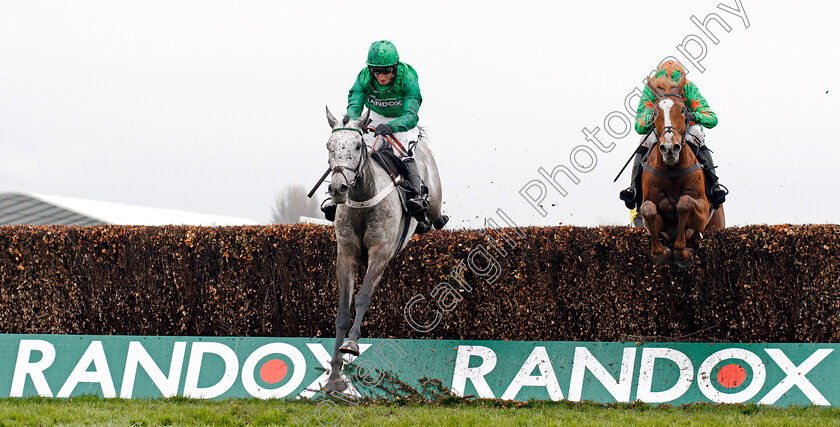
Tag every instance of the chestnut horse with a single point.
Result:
(673, 184)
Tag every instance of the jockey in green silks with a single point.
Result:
(390, 90)
(699, 115)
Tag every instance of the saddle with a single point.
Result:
(396, 170)
(392, 164)
(694, 149)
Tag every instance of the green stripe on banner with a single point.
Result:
(606, 372)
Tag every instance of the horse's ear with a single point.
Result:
(363, 119)
(649, 84)
(331, 119)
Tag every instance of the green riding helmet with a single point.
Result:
(382, 54)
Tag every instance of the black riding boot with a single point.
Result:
(328, 208)
(628, 195)
(719, 192)
(417, 204)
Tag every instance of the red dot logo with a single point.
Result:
(273, 371)
(731, 376)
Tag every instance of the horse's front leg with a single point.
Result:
(378, 257)
(692, 215)
(346, 266)
(654, 223)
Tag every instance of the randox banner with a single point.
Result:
(219, 367)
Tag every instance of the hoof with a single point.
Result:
(422, 227)
(350, 347)
(335, 386)
(440, 222)
(661, 259)
(685, 262)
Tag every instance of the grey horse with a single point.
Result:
(369, 225)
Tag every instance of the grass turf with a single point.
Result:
(180, 411)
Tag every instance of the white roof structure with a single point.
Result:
(39, 209)
(316, 221)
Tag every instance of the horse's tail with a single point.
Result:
(423, 135)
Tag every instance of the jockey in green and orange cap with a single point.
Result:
(699, 115)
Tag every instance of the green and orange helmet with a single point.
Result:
(673, 70)
(382, 54)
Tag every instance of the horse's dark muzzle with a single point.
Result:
(342, 189)
(670, 154)
(338, 193)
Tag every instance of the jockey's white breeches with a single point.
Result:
(404, 138)
(694, 134)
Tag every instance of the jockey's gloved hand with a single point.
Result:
(384, 129)
(691, 116)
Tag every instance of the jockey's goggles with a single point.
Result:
(381, 70)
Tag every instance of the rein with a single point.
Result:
(394, 143)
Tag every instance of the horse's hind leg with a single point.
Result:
(440, 219)
(434, 214)
(432, 182)
(692, 214)
(346, 267)
(654, 223)
(717, 222)
(378, 258)
(435, 203)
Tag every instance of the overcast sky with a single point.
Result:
(215, 106)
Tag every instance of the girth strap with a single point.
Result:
(671, 173)
(369, 203)
(406, 224)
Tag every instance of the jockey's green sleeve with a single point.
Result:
(694, 101)
(401, 99)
